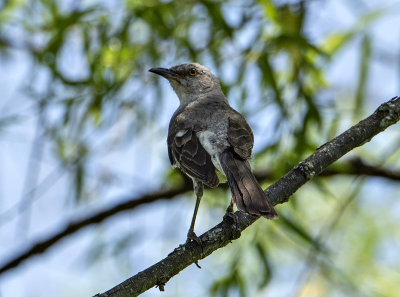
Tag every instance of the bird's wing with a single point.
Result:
(240, 135)
(186, 151)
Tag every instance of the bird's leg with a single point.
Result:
(230, 208)
(198, 190)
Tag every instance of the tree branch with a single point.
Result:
(354, 166)
(226, 231)
(72, 227)
(357, 166)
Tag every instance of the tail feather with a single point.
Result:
(246, 191)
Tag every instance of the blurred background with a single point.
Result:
(87, 194)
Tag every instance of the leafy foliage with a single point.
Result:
(88, 83)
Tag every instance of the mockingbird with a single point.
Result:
(206, 134)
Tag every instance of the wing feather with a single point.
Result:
(186, 151)
(240, 135)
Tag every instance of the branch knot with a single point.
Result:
(307, 168)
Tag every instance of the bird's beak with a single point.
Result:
(164, 72)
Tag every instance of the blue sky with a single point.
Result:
(62, 269)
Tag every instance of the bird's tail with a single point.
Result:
(246, 191)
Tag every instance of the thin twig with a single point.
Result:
(42, 245)
(31, 178)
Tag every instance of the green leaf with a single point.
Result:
(300, 231)
(268, 77)
(363, 76)
(336, 41)
(79, 181)
(270, 10)
(262, 253)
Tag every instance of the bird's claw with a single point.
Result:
(193, 237)
(231, 219)
(230, 216)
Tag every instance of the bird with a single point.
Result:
(207, 136)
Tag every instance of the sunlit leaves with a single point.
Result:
(336, 41)
(95, 61)
(233, 281)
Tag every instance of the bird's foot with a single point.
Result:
(230, 216)
(193, 237)
(231, 219)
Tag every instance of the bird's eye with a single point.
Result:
(192, 72)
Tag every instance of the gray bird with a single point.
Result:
(206, 134)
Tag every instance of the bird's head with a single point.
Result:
(190, 81)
